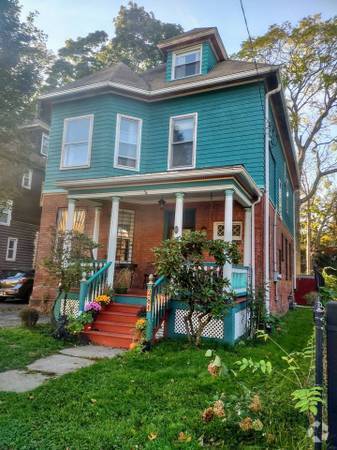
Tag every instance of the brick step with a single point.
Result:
(119, 307)
(114, 327)
(108, 316)
(108, 339)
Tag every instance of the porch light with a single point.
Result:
(162, 203)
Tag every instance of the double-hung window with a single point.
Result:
(128, 142)
(27, 179)
(44, 144)
(76, 146)
(12, 245)
(182, 145)
(186, 64)
(6, 212)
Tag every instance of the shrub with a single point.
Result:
(29, 317)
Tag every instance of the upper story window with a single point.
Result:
(44, 144)
(12, 246)
(128, 141)
(76, 145)
(182, 145)
(280, 196)
(186, 64)
(6, 212)
(27, 179)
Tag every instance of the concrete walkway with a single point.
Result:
(44, 369)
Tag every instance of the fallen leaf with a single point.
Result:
(152, 436)
(93, 400)
(183, 437)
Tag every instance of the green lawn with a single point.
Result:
(126, 402)
(20, 346)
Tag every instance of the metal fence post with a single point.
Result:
(319, 330)
(332, 373)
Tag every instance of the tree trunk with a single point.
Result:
(308, 241)
(189, 325)
(298, 233)
(202, 324)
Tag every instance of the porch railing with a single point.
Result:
(239, 279)
(93, 283)
(157, 304)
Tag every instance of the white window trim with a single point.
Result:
(91, 126)
(9, 210)
(194, 149)
(139, 142)
(44, 135)
(9, 239)
(215, 230)
(28, 186)
(185, 51)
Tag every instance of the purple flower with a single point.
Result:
(93, 306)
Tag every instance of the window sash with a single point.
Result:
(44, 144)
(79, 220)
(69, 146)
(128, 142)
(7, 212)
(125, 236)
(27, 178)
(182, 61)
(237, 237)
(12, 245)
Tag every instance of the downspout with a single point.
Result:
(253, 246)
(295, 243)
(266, 199)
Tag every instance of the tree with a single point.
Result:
(307, 53)
(137, 33)
(205, 292)
(23, 56)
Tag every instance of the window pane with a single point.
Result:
(128, 131)
(45, 144)
(128, 150)
(127, 162)
(79, 220)
(183, 130)
(192, 69)
(187, 58)
(3, 216)
(77, 130)
(125, 236)
(182, 154)
(75, 154)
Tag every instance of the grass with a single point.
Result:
(143, 401)
(20, 346)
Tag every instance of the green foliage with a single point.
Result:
(247, 363)
(29, 317)
(75, 325)
(23, 56)
(71, 253)
(120, 402)
(307, 399)
(205, 292)
(137, 33)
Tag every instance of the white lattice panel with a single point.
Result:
(71, 307)
(213, 330)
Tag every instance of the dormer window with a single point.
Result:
(186, 64)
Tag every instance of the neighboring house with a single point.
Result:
(20, 221)
(136, 158)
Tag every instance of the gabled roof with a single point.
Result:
(194, 36)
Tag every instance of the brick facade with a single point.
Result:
(149, 232)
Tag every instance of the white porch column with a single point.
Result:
(95, 234)
(247, 250)
(112, 243)
(178, 216)
(228, 228)
(69, 223)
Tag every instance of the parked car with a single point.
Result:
(17, 286)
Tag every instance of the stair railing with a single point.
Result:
(157, 304)
(93, 283)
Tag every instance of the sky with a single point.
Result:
(63, 19)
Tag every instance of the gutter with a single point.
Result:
(266, 199)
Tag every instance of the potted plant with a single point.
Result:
(94, 308)
(122, 281)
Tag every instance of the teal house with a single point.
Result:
(201, 142)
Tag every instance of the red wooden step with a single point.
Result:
(109, 339)
(120, 307)
(108, 316)
(114, 327)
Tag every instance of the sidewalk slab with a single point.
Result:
(92, 352)
(20, 381)
(59, 364)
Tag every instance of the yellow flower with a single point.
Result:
(102, 299)
(141, 324)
